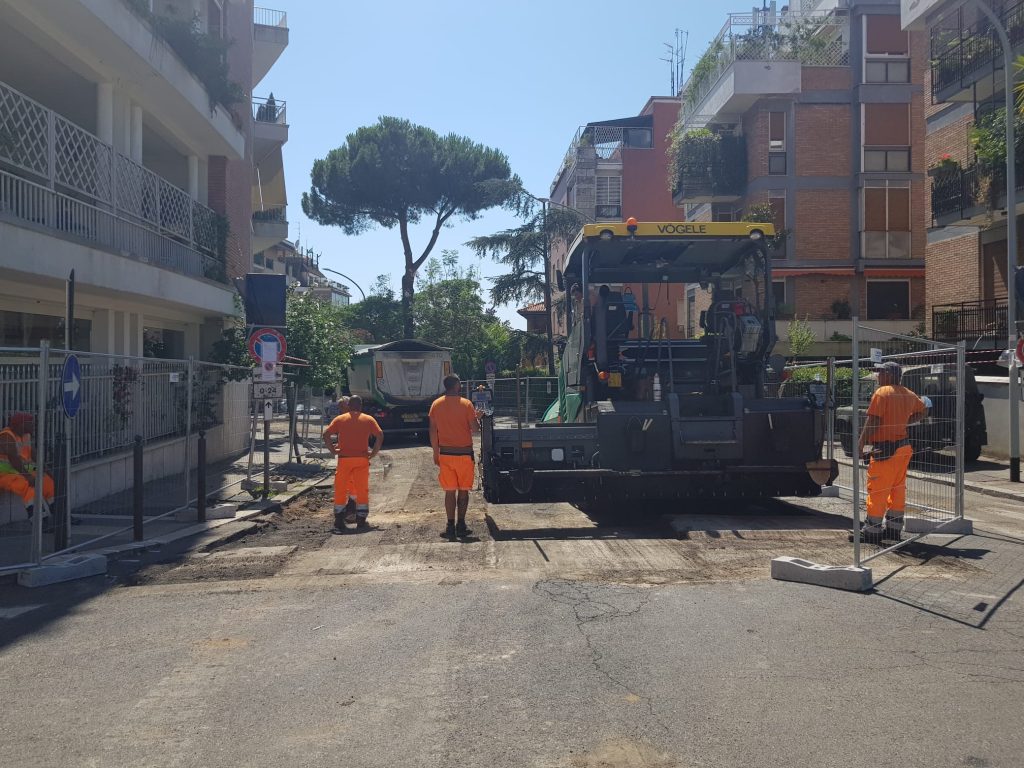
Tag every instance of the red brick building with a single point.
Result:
(816, 114)
(615, 169)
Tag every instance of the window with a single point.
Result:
(724, 212)
(884, 36)
(638, 138)
(776, 131)
(779, 292)
(886, 137)
(887, 71)
(886, 159)
(609, 197)
(888, 299)
(886, 208)
(24, 329)
(777, 163)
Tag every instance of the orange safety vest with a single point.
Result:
(24, 444)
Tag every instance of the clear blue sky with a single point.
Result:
(520, 76)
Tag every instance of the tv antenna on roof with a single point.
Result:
(677, 59)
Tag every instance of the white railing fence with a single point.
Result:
(60, 176)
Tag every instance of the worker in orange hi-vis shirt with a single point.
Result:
(17, 471)
(453, 420)
(893, 408)
(353, 431)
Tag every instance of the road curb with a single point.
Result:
(243, 516)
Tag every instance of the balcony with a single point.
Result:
(710, 168)
(269, 227)
(731, 74)
(271, 125)
(965, 58)
(270, 38)
(982, 323)
(57, 176)
(597, 145)
(956, 196)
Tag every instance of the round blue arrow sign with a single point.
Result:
(71, 386)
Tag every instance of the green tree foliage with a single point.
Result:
(377, 318)
(449, 311)
(396, 173)
(317, 334)
(521, 251)
(801, 337)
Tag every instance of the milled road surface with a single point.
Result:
(546, 639)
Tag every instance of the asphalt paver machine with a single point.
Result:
(641, 415)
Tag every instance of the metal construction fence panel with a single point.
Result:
(932, 493)
(528, 397)
(126, 405)
(950, 431)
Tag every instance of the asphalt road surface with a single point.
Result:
(546, 639)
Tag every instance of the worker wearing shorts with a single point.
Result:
(353, 431)
(893, 408)
(453, 420)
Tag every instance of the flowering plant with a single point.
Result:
(946, 163)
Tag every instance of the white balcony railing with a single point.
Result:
(270, 110)
(608, 142)
(57, 175)
(814, 39)
(268, 17)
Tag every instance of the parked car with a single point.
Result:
(937, 429)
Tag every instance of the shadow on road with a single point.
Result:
(990, 568)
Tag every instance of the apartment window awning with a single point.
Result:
(638, 121)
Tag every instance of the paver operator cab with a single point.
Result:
(642, 416)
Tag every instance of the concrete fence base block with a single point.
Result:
(962, 526)
(846, 577)
(64, 568)
(830, 492)
(250, 485)
(218, 512)
(279, 485)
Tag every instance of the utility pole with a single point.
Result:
(1011, 238)
(547, 289)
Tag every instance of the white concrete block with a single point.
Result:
(846, 577)
(830, 492)
(216, 512)
(962, 526)
(63, 568)
(279, 485)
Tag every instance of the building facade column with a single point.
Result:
(136, 134)
(193, 177)
(105, 112)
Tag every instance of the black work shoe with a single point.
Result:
(339, 522)
(892, 534)
(871, 533)
(449, 532)
(461, 530)
(362, 524)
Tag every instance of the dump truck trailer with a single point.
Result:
(398, 381)
(644, 416)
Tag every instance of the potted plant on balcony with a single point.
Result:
(944, 166)
(841, 309)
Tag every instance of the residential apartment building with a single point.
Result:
(965, 150)
(811, 115)
(131, 153)
(615, 169)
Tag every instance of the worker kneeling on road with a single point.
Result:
(17, 470)
(353, 431)
(893, 408)
(453, 420)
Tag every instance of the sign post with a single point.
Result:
(267, 346)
